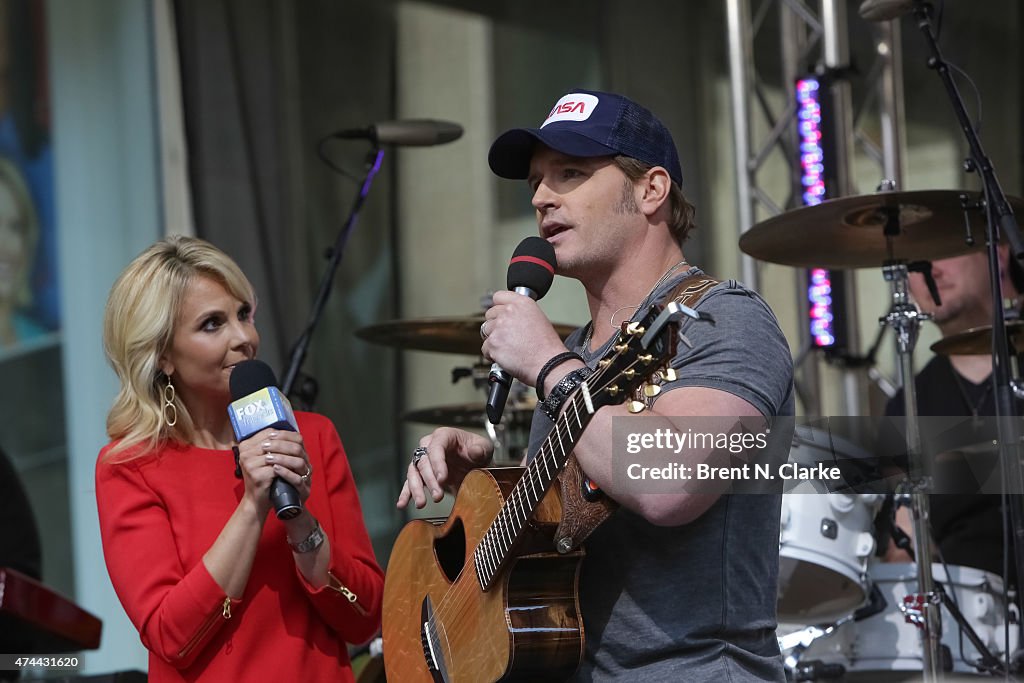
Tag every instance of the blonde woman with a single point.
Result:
(219, 589)
(19, 232)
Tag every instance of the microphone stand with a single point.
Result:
(1000, 220)
(306, 394)
(920, 609)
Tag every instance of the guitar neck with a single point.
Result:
(640, 349)
(500, 538)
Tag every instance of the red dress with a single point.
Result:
(160, 513)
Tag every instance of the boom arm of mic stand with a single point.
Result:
(1000, 219)
(298, 353)
(993, 191)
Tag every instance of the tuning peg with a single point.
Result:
(669, 374)
(636, 406)
(651, 390)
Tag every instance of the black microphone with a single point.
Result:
(257, 404)
(530, 272)
(409, 133)
(884, 10)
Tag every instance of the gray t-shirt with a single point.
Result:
(694, 602)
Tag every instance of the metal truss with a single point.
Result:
(809, 34)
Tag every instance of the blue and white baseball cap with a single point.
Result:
(589, 123)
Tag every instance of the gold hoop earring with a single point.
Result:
(169, 404)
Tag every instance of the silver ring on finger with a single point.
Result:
(308, 474)
(483, 330)
(417, 455)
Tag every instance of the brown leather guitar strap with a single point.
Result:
(584, 506)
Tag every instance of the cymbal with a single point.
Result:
(977, 341)
(849, 232)
(470, 415)
(448, 335)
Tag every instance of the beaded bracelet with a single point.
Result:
(552, 405)
(553, 363)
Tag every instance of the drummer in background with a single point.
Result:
(967, 529)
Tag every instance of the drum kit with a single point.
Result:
(843, 615)
(461, 335)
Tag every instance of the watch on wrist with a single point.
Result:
(313, 541)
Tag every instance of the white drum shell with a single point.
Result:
(825, 542)
(825, 539)
(885, 642)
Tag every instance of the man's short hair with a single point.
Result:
(682, 216)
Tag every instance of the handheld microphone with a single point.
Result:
(408, 133)
(530, 272)
(258, 404)
(884, 10)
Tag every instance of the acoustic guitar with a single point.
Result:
(485, 594)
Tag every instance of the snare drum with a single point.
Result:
(884, 647)
(825, 539)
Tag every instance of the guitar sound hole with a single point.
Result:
(451, 550)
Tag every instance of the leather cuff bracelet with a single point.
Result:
(553, 363)
(552, 405)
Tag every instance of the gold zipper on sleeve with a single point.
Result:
(224, 612)
(334, 584)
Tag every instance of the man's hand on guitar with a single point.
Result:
(450, 455)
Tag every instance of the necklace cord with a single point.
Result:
(643, 302)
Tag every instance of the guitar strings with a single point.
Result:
(515, 501)
(451, 612)
(532, 477)
(454, 601)
(515, 498)
(519, 505)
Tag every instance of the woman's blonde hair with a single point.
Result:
(138, 327)
(12, 177)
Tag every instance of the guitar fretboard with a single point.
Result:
(497, 542)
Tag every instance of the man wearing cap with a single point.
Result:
(675, 586)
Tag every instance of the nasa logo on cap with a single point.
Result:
(572, 107)
(589, 123)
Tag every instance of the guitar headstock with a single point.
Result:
(640, 356)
